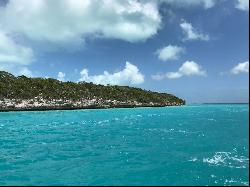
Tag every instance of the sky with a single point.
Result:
(195, 49)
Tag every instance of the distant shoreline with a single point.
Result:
(81, 108)
(105, 107)
(225, 103)
(38, 94)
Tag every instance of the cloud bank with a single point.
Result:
(67, 21)
(129, 75)
(206, 4)
(12, 52)
(14, 57)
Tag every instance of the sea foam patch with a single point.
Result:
(227, 159)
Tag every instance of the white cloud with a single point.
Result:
(16, 69)
(158, 76)
(61, 76)
(241, 68)
(191, 3)
(191, 33)
(14, 57)
(243, 5)
(11, 52)
(170, 52)
(188, 68)
(129, 75)
(74, 20)
(25, 71)
(173, 75)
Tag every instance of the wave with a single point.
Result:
(227, 159)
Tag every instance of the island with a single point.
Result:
(21, 93)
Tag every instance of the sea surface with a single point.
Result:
(188, 145)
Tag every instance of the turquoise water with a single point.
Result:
(189, 145)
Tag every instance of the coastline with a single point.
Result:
(37, 94)
(33, 109)
(225, 103)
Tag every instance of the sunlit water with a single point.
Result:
(189, 145)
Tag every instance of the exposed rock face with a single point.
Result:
(22, 93)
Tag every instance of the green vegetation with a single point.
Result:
(22, 87)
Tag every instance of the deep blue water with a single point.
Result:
(189, 145)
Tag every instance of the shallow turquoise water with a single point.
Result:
(189, 145)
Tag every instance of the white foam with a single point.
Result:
(211, 119)
(230, 181)
(228, 159)
(216, 159)
(103, 121)
(213, 176)
(193, 159)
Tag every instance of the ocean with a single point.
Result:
(187, 145)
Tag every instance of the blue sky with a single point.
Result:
(196, 49)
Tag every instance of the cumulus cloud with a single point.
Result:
(61, 76)
(66, 22)
(191, 3)
(243, 5)
(188, 68)
(129, 75)
(14, 57)
(12, 52)
(170, 52)
(190, 33)
(16, 69)
(25, 71)
(74, 20)
(241, 68)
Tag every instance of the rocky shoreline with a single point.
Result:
(40, 104)
(33, 94)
